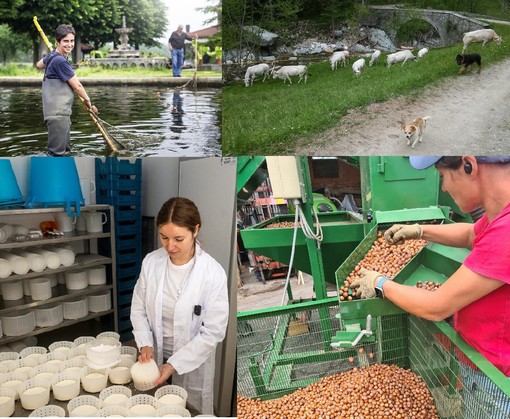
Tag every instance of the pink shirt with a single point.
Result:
(485, 323)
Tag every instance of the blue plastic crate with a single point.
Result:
(125, 324)
(124, 297)
(126, 335)
(132, 241)
(124, 311)
(113, 198)
(125, 213)
(128, 228)
(126, 285)
(119, 184)
(112, 165)
(130, 272)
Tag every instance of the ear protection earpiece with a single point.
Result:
(468, 168)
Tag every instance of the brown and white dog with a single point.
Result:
(414, 130)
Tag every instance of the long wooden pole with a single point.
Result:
(90, 112)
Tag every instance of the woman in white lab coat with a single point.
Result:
(179, 310)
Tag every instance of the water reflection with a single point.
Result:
(169, 122)
(177, 111)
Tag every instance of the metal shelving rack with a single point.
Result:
(59, 292)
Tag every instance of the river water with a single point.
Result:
(165, 120)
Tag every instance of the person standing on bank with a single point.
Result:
(177, 48)
(179, 309)
(58, 87)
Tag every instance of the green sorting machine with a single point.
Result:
(281, 349)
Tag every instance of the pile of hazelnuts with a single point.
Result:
(376, 391)
(282, 224)
(428, 285)
(383, 257)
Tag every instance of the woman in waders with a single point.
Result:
(58, 87)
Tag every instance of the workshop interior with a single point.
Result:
(324, 216)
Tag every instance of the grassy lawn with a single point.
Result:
(268, 118)
(25, 70)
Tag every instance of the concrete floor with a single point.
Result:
(254, 295)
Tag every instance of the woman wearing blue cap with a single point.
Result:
(478, 293)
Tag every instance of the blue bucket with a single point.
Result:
(9, 190)
(54, 182)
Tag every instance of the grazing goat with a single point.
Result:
(481, 35)
(288, 71)
(256, 70)
(422, 52)
(337, 56)
(358, 66)
(375, 57)
(401, 56)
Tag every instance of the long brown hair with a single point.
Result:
(180, 211)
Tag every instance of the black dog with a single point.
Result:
(466, 60)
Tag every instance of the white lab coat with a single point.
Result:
(195, 337)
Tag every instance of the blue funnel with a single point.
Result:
(9, 189)
(54, 182)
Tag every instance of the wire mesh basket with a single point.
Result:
(49, 411)
(121, 373)
(34, 393)
(109, 334)
(7, 402)
(116, 396)
(19, 323)
(100, 302)
(128, 352)
(94, 380)
(56, 358)
(12, 380)
(49, 316)
(62, 346)
(24, 365)
(34, 352)
(275, 358)
(76, 309)
(84, 406)
(173, 410)
(66, 386)
(74, 364)
(110, 411)
(44, 371)
(171, 395)
(143, 405)
(82, 341)
(6, 358)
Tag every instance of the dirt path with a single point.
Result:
(470, 114)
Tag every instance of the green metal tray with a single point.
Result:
(342, 232)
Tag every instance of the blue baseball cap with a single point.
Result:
(423, 162)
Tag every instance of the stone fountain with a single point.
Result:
(125, 55)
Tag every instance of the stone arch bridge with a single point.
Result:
(449, 25)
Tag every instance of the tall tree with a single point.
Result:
(12, 44)
(50, 14)
(148, 20)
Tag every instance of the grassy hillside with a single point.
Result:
(267, 118)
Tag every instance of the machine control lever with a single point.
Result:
(366, 332)
(348, 335)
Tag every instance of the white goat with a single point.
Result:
(358, 66)
(401, 56)
(339, 56)
(287, 71)
(481, 35)
(375, 57)
(422, 52)
(256, 70)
